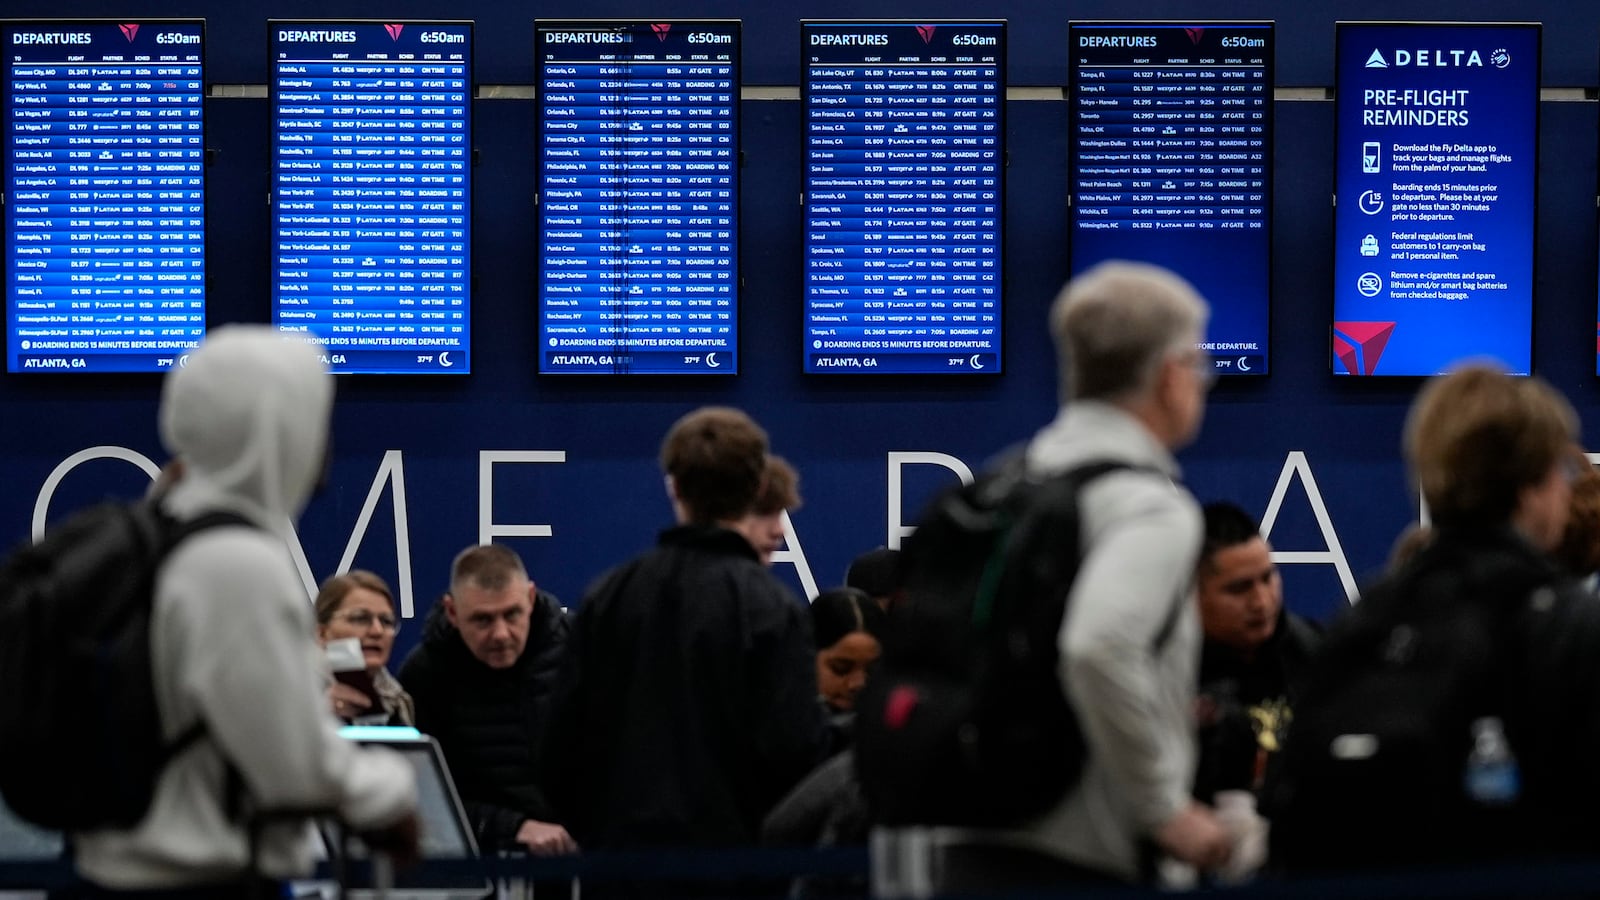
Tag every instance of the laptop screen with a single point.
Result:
(446, 831)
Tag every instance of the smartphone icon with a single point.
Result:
(1369, 158)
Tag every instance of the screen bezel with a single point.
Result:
(472, 182)
(1341, 28)
(1000, 192)
(736, 26)
(8, 25)
(1232, 375)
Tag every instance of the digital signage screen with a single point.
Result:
(104, 194)
(904, 196)
(1436, 151)
(372, 192)
(638, 197)
(1171, 163)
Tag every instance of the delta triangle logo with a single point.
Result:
(130, 31)
(394, 31)
(661, 31)
(1376, 60)
(1195, 34)
(1359, 345)
(926, 33)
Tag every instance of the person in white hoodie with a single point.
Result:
(232, 643)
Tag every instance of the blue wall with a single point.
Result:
(604, 501)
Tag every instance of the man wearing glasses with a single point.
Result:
(481, 681)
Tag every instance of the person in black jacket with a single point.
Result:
(687, 700)
(482, 680)
(1450, 718)
(1254, 657)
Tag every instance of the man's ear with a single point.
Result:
(450, 609)
(672, 488)
(533, 593)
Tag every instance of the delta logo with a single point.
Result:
(661, 30)
(129, 31)
(394, 31)
(1359, 345)
(1435, 59)
(926, 33)
(1195, 34)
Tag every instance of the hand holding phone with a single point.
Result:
(349, 670)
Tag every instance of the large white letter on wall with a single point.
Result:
(898, 458)
(488, 528)
(41, 504)
(1334, 554)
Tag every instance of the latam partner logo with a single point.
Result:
(1359, 345)
(130, 31)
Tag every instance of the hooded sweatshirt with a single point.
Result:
(231, 633)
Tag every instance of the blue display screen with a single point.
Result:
(1171, 158)
(904, 191)
(372, 192)
(638, 197)
(1437, 146)
(104, 194)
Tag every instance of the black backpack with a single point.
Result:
(963, 720)
(80, 736)
(1373, 771)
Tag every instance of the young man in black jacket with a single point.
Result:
(687, 700)
(481, 680)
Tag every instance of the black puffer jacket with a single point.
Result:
(489, 722)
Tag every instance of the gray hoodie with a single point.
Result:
(232, 631)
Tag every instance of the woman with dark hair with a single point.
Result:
(826, 808)
(845, 622)
(359, 605)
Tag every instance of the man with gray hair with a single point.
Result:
(1134, 385)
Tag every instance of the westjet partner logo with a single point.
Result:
(1437, 59)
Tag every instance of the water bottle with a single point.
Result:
(1492, 777)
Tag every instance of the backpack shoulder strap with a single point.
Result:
(176, 533)
(1080, 475)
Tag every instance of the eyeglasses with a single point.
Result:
(1203, 366)
(361, 618)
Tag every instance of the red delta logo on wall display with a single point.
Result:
(1359, 345)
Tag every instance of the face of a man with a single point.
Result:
(764, 532)
(494, 624)
(1241, 594)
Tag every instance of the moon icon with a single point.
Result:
(711, 360)
(1244, 363)
(444, 359)
(976, 361)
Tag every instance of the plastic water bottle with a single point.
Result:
(1492, 777)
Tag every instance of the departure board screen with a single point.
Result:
(904, 190)
(372, 192)
(1171, 164)
(104, 194)
(638, 197)
(1436, 151)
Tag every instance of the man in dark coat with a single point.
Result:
(1254, 656)
(687, 700)
(482, 680)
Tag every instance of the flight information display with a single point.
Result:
(1171, 164)
(1436, 152)
(638, 197)
(104, 194)
(372, 192)
(904, 189)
